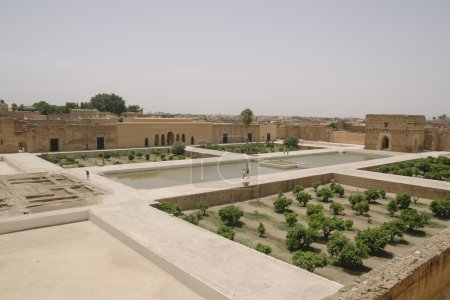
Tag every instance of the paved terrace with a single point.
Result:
(80, 261)
(201, 262)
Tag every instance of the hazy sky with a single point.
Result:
(308, 58)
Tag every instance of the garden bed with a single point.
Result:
(436, 168)
(259, 211)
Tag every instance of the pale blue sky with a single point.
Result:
(308, 58)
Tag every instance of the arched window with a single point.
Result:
(192, 140)
(163, 140)
(178, 137)
(170, 138)
(156, 140)
(183, 138)
(146, 142)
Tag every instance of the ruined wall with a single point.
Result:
(306, 132)
(423, 272)
(437, 141)
(267, 132)
(404, 133)
(346, 137)
(237, 133)
(12, 133)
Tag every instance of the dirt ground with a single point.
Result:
(261, 210)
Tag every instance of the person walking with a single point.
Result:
(87, 174)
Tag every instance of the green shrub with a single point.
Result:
(352, 255)
(326, 224)
(337, 208)
(336, 242)
(297, 189)
(202, 206)
(147, 156)
(291, 142)
(348, 224)
(403, 200)
(312, 209)
(441, 208)
(309, 260)
(325, 194)
(362, 207)
(300, 237)
(355, 199)
(382, 194)
(139, 155)
(263, 248)
(191, 218)
(170, 208)
(230, 215)
(374, 238)
(303, 197)
(315, 185)
(261, 229)
(226, 232)
(282, 203)
(337, 189)
(394, 228)
(371, 195)
(392, 207)
(413, 219)
(178, 148)
(349, 254)
(291, 218)
(107, 155)
(130, 157)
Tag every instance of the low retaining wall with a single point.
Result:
(423, 272)
(254, 191)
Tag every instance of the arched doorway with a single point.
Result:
(183, 138)
(385, 143)
(170, 138)
(163, 140)
(146, 142)
(156, 140)
(192, 140)
(178, 137)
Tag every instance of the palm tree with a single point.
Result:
(246, 118)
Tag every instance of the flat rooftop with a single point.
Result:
(80, 261)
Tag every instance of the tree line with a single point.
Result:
(103, 102)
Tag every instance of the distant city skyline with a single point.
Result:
(287, 58)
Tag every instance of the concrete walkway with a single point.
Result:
(197, 257)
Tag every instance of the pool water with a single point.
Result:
(228, 172)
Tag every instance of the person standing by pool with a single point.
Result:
(243, 173)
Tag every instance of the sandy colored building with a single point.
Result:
(401, 133)
(108, 133)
